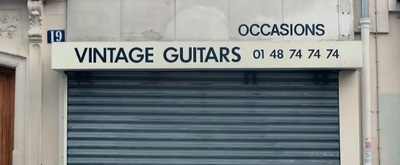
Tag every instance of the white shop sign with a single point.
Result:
(206, 55)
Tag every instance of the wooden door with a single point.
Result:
(7, 80)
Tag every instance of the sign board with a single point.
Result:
(55, 36)
(206, 55)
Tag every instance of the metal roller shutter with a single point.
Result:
(203, 118)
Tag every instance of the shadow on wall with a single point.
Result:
(199, 23)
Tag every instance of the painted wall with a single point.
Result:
(160, 24)
(385, 85)
(182, 20)
(388, 74)
(164, 19)
(14, 27)
(54, 19)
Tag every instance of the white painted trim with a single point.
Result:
(34, 117)
(63, 89)
(19, 63)
(349, 114)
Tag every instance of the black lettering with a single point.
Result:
(138, 55)
(201, 53)
(223, 53)
(310, 29)
(252, 31)
(240, 30)
(98, 54)
(320, 29)
(291, 30)
(111, 53)
(262, 29)
(284, 27)
(211, 55)
(296, 31)
(275, 30)
(235, 52)
(90, 55)
(81, 57)
(149, 53)
(189, 56)
(121, 56)
(194, 50)
(174, 56)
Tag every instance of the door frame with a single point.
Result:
(19, 64)
(8, 74)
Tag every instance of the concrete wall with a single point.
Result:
(182, 20)
(14, 27)
(164, 18)
(385, 85)
(54, 19)
(385, 81)
(388, 74)
(160, 23)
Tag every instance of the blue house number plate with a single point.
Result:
(55, 36)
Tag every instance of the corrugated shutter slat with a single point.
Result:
(203, 118)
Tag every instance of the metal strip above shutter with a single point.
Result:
(203, 118)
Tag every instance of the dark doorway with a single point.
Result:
(7, 86)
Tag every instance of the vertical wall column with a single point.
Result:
(34, 83)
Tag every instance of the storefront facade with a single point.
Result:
(188, 82)
(224, 107)
(226, 82)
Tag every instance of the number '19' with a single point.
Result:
(56, 36)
